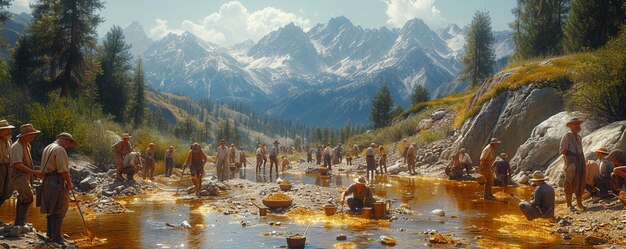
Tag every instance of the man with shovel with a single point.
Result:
(195, 160)
(56, 185)
(542, 204)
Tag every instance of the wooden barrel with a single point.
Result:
(379, 210)
(367, 212)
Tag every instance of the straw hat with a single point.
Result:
(602, 151)
(171, 147)
(372, 144)
(504, 155)
(151, 144)
(360, 180)
(538, 176)
(462, 150)
(126, 136)
(27, 129)
(494, 141)
(276, 142)
(5, 125)
(67, 136)
(574, 121)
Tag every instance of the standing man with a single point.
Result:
(574, 163)
(120, 150)
(382, 160)
(405, 148)
(370, 161)
(318, 154)
(542, 204)
(150, 164)
(22, 172)
(242, 157)
(309, 155)
(232, 153)
(503, 170)
(264, 156)
(340, 153)
(259, 159)
(349, 157)
(55, 198)
(169, 161)
(356, 151)
(327, 156)
(221, 165)
(466, 161)
(5, 161)
(411, 153)
(196, 160)
(274, 157)
(487, 158)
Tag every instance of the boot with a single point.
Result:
(56, 236)
(20, 214)
(50, 229)
(568, 201)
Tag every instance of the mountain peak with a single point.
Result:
(339, 21)
(136, 36)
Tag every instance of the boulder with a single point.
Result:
(509, 116)
(431, 159)
(424, 124)
(437, 115)
(542, 146)
(397, 168)
(88, 183)
(611, 136)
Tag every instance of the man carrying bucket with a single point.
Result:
(361, 195)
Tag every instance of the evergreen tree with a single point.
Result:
(64, 34)
(113, 81)
(419, 95)
(382, 103)
(538, 27)
(26, 71)
(137, 104)
(591, 23)
(479, 59)
(4, 16)
(297, 142)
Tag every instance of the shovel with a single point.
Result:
(182, 173)
(616, 196)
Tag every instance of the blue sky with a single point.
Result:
(228, 22)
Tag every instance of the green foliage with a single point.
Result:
(591, 23)
(382, 103)
(56, 117)
(537, 29)
(97, 144)
(297, 142)
(479, 58)
(114, 57)
(601, 82)
(397, 111)
(137, 105)
(419, 95)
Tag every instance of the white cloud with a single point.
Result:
(233, 23)
(19, 6)
(400, 11)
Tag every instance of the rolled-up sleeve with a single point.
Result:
(17, 155)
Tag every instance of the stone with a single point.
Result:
(595, 240)
(438, 212)
(431, 159)
(523, 179)
(341, 237)
(424, 124)
(388, 240)
(440, 239)
(88, 183)
(437, 115)
(397, 168)
(541, 148)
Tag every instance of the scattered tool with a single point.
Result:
(616, 196)
(90, 234)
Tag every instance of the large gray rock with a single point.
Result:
(397, 168)
(611, 136)
(424, 124)
(437, 115)
(510, 116)
(88, 183)
(542, 146)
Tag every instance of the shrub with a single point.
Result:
(53, 118)
(98, 144)
(600, 87)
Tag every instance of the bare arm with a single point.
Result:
(28, 170)
(68, 181)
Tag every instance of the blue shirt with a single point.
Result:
(544, 199)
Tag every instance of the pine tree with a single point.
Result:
(112, 83)
(64, 33)
(382, 103)
(538, 27)
(419, 95)
(591, 23)
(4, 16)
(479, 58)
(137, 104)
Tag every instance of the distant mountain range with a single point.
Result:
(324, 76)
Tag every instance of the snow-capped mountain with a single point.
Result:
(136, 36)
(323, 76)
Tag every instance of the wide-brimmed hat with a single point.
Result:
(361, 180)
(126, 135)
(195, 146)
(503, 155)
(276, 142)
(462, 150)
(494, 141)
(222, 141)
(372, 144)
(603, 151)
(5, 125)
(171, 147)
(67, 136)
(27, 129)
(151, 144)
(538, 176)
(574, 121)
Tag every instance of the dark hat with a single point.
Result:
(27, 129)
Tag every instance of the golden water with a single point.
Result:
(467, 216)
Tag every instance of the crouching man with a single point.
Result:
(361, 195)
(542, 203)
(55, 199)
(130, 166)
